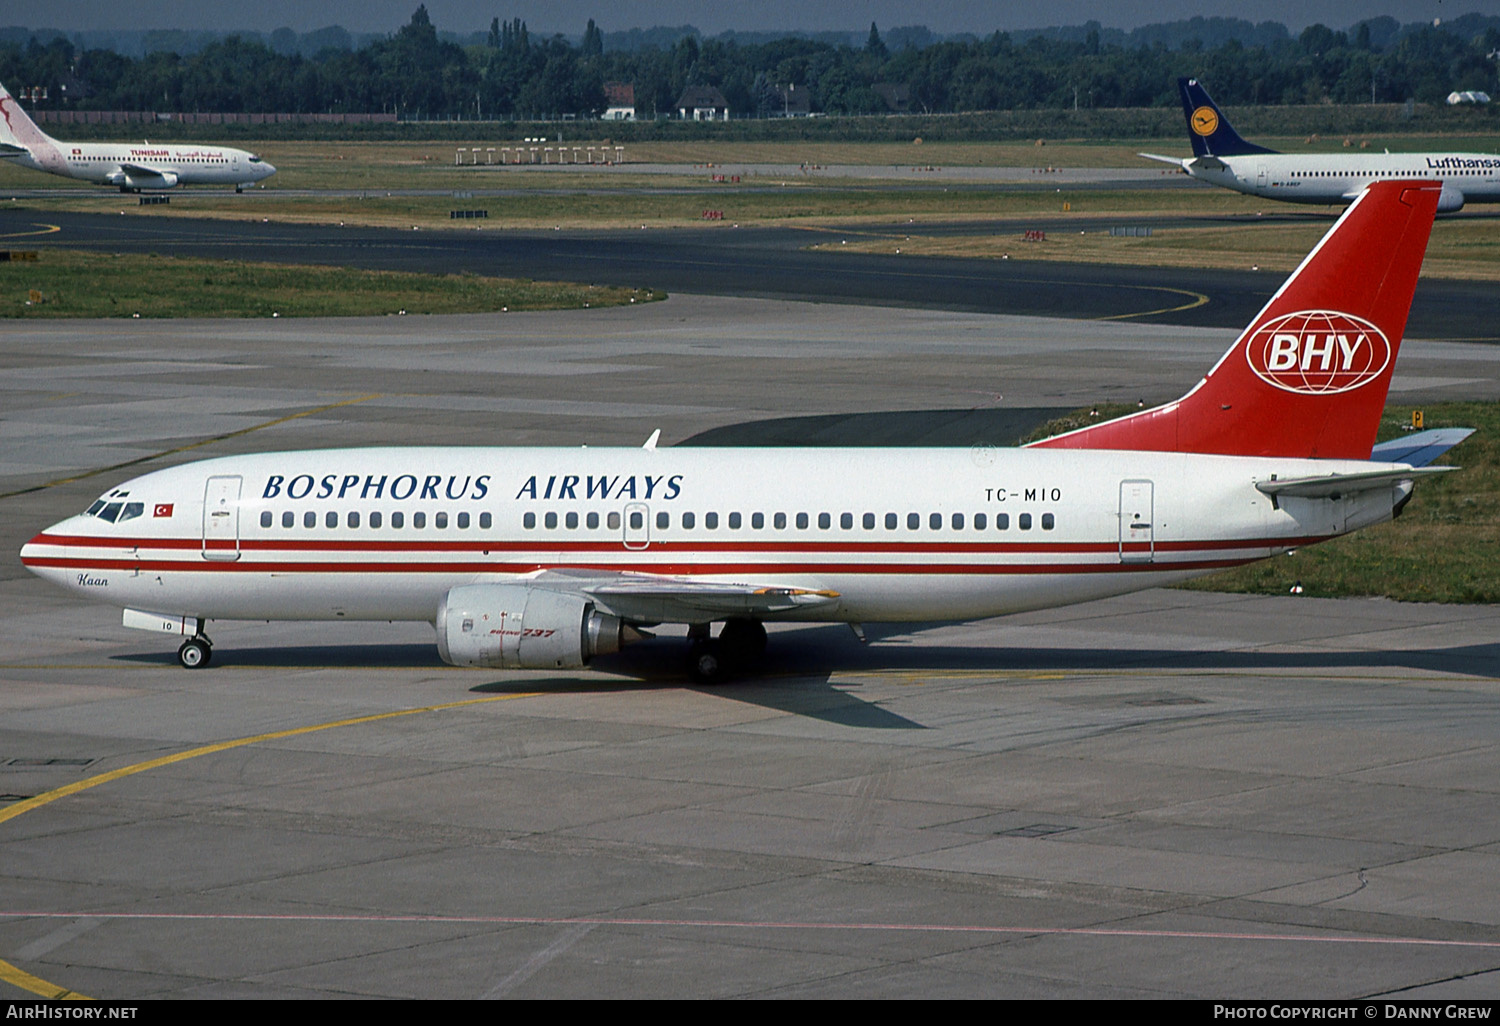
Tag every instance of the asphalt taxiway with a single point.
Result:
(771, 262)
(1169, 794)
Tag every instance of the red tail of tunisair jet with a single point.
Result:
(1309, 377)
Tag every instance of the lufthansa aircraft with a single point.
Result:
(1221, 157)
(537, 558)
(130, 166)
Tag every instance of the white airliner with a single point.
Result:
(546, 557)
(132, 167)
(1221, 157)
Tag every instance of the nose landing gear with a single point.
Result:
(195, 653)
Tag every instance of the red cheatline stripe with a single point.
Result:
(675, 546)
(697, 568)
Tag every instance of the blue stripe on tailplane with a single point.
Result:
(1419, 449)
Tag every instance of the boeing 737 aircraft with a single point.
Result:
(129, 166)
(1221, 157)
(537, 558)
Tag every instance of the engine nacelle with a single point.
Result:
(1449, 200)
(128, 181)
(516, 626)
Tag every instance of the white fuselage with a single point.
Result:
(147, 165)
(899, 534)
(1338, 178)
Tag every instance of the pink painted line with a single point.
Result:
(1066, 931)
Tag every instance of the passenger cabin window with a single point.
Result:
(288, 519)
(331, 519)
(398, 520)
(265, 518)
(418, 521)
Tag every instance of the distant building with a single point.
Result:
(795, 103)
(897, 97)
(620, 101)
(702, 103)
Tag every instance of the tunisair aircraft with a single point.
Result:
(132, 167)
(546, 557)
(1221, 157)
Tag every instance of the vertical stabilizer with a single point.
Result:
(1309, 376)
(1208, 129)
(22, 141)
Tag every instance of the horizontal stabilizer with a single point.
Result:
(1331, 486)
(1176, 161)
(12, 150)
(1419, 449)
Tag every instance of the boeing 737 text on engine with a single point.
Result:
(544, 558)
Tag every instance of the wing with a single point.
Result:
(648, 598)
(12, 150)
(142, 169)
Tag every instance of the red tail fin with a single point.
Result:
(1309, 376)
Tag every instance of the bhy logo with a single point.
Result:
(1318, 352)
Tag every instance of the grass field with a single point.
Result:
(62, 283)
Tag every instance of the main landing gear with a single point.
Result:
(740, 645)
(196, 652)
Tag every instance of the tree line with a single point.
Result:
(513, 74)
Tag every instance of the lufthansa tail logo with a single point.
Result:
(1205, 121)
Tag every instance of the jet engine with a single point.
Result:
(517, 626)
(1449, 200)
(135, 181)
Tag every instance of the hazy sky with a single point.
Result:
(711, 16)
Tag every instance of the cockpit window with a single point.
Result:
(255, 158)
(114, 511)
